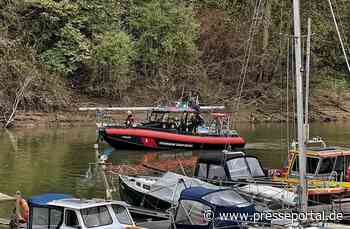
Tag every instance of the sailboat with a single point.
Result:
(321, 173)
(314, 171)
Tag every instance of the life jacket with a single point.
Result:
(347, 178)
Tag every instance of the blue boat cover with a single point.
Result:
(44, 199)
(196, 193)
(218, 202)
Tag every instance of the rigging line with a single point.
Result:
(287, 97)
(247, 46)
(341, 24)
(293, 91)
(248, 57)
(281, 71)
(339, 36)
(287, 83)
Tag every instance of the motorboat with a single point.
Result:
(174, 127)
(55, 210)
(157, 193)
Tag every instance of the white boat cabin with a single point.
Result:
(59, 211)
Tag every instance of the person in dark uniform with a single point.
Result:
(196, 121)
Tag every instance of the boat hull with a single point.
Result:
(139, 199)
(139, 138)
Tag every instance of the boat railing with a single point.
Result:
(233, 153)
(245, 180)
(313, 141)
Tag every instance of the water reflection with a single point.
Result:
(57, 159)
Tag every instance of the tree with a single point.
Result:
(111, 64)
(166, 32)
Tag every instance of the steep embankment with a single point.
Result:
(56, 56)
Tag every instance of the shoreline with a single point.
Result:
(78, 118)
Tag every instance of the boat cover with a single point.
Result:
(45, 199)
(274, 193)
(170, 185)
(217, 201)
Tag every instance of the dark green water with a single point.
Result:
(56, 159)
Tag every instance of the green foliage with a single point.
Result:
(112, 64)
(64, 31)
(109, 47)
(166, 32)
(17, 65)
(68, 53)
(115, 48)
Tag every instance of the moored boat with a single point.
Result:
(327, 172)
(61, 211)
(202, 207)
(157, 193)
(245, 173)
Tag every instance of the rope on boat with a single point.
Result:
(339, 35)
(247, 54)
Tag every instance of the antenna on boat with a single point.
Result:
(300, 113)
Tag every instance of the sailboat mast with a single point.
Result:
(307, 80)
(300, 110)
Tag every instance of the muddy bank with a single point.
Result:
(247, 114)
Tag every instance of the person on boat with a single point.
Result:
(192, 124)
(22, 208)
(196, 121)
(177, 123)
(218, 124)
(129, 122)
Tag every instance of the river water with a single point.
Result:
(56, 160)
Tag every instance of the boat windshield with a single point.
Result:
(255, 167)
(191, 212)
(122, 214)
(244, 167)
(311, 165)
(96, 216)
(225, 198)
(238, 168)
(45, 218)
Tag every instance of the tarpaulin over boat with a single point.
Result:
(170, 186)
(45, 199)
(201, 207)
